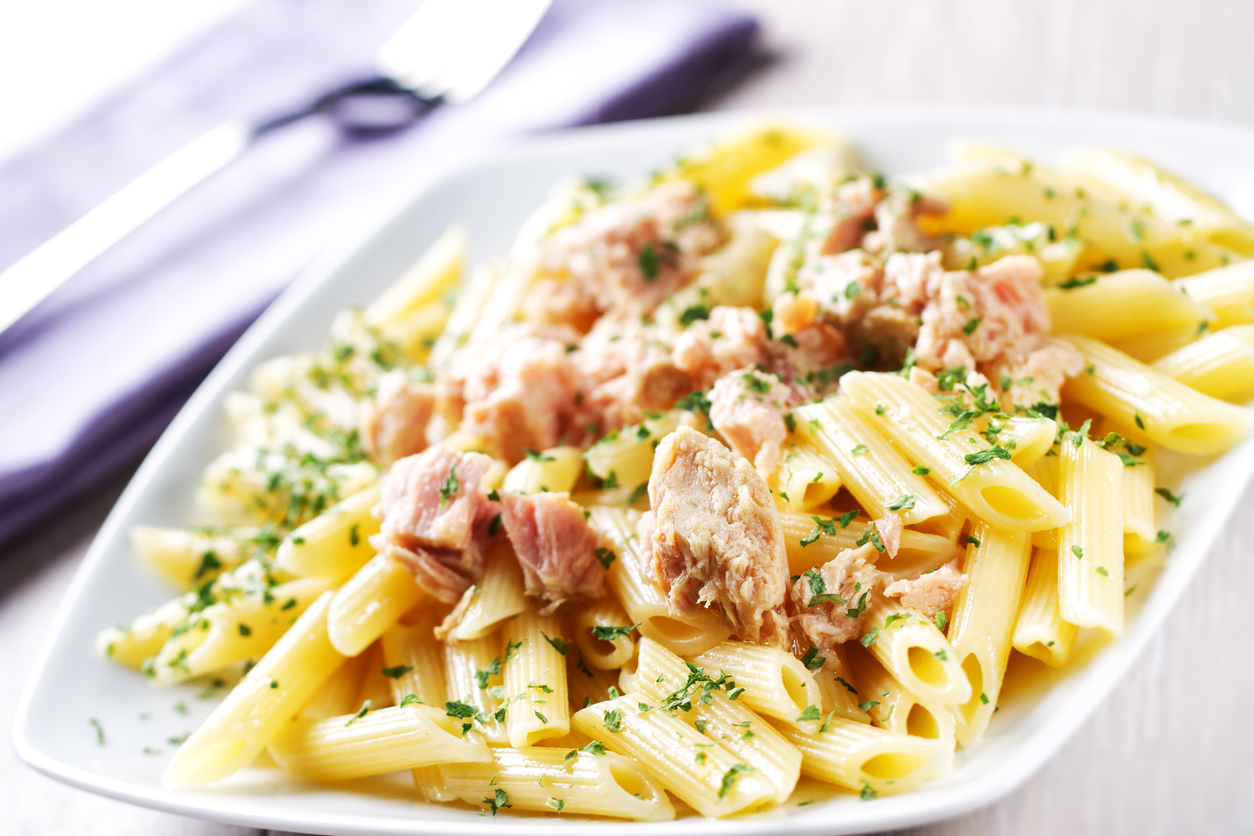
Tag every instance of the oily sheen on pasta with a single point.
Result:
(761, 467)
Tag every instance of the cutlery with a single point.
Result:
(445, 54)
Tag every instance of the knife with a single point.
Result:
(445, 54)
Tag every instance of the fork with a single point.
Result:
(445, 54)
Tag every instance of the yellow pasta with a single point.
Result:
(625, 458)
(536, 702)
(1220, 365)
(1040, 631)
(555, 470)
(472, 673)
(548, 781)
(370, 602)
(812, 540)
(806, 479)
(996, 490)
(915, 652)
(890, 704)
(433, 275)
(187, 556)
(260, 706)
(666, 680)
(1169, 412)
(497, 597)
(1090, 553)
(1123, 305)
(869, 467)
(776, 683)
(333, 545)
(601, 645)
(705, 775)
(1227, 291)
(983, 621)
(372, 742)
(1027, 439)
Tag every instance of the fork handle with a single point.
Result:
(373, 105)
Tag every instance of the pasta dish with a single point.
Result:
(761, 467)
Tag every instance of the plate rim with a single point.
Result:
(1115, 658)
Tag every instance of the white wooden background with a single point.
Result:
(1169, 752)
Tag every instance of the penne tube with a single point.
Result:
(370, 602)
(1027, 439)
(996, 490)
(870, 759)
(1220, 365)
(1167, 411)
(644, 602)
(339, 694)
(840, 699)
(555, 470)
(376, 686)
(806, 480)
(667, 681)
(1090, 553)
(1154, 345)
(1228, 291)
(134, 643)
(983, 621)
(624, 458)
(499, 596)
(869, 467)
(434, 274)
(587, 684)
(808, 544)
(376, 741)
(471, 301)
(412, 660)
(333, 545)
(608, 652)
(890, 704)
(1140, 531)
(261, 705)
(472, 676)
(1040, 631)
(1124, 305)
(232, 631)
(186, 556)
(915, 652)
(703, 774)
(554, 781)
(537, 703)
(776, 683)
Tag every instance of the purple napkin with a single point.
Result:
(91, 377)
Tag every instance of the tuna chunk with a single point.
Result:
(994, 320)
(852, 577)
(930, 593)
(848, 213)
(896, 224)
(732, 338)
(747, 407)
(432, 500)
(518, 392)
(443, 573)
(556, 548)
(627, 370)
(393, 423)
(890, 529)
(631, 254)
(716, 539)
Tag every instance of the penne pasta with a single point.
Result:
(811, 540)
(333, 545)
(187, 556)
(1040, 631)
(669, 682)
(703, 774)
(1220, 365)
(536, 702)
(1090, 545)
(370, 602)
(1227, 291)
(890, 704)
(1124, 305)
(776, 683)
(915, 652)
(371, 742)
(259, 708)
(434, 274)
(1169, 412)
(553, 781)
(603, 634)
(994, 489)
(983, 621)
(498, 596)
(806, 479)
(555, 470)
(868, 465)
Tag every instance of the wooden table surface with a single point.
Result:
(1170, 750)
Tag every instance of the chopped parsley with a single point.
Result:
(821, 526)
(649, 261)
(559, 644)
(498, 801)
(870, 637)
(1077, 551)
(1101, 570)
(361, 712)
(397, 672)
(812, 660)
(609, 634)
(693, 314)
(867, 705)
(613, 720)
(555, 804)
(975, 541)
(1078, 281)
(100, 735)
(811, 712)
(605, 557)
(537, 456)
(905, 502)
(920, 470)
(860, 450)
(986, 456)
(450, 487)
(971, 325)
(1169, 496)
(729, 778)
(596, 747)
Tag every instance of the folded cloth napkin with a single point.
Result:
(91, 377)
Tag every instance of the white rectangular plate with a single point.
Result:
(71, 684)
